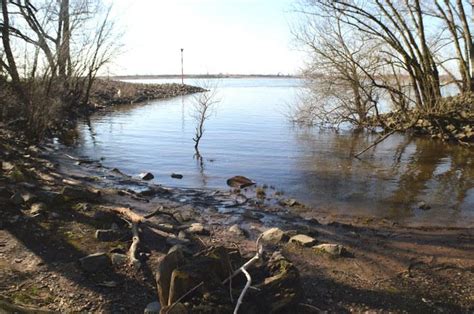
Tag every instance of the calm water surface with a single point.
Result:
(248, 134)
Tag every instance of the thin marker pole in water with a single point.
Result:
(182, 68)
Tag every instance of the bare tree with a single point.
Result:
(203, 107)
(339, 90)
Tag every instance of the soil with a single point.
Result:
(388, 267)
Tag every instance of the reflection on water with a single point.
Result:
(249, 135)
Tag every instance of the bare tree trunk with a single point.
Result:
(12, 68)
(64, 42)
(471, 50)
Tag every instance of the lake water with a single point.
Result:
(248, 134)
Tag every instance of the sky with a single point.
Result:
(218, 36)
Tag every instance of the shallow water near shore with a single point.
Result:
(249, 134)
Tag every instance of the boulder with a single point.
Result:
(95, 262)
(146, 176)
(303, 240)
(334, 250)
(274, 236)
(239, 182)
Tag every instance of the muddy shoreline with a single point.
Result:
(390, 267)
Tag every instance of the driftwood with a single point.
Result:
(379, 140)
(136, 221)
(243, 269)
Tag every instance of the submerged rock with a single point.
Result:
(146, 176)
(303, 240)
(239, 182)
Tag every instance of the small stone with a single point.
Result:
(146, 176)
(118, 259)
(274, 236)
(7, 166)
(303, 240)
(37, 208)
(235, 229)
(153, 308)
(423, 206)
(331, 249)
(107, 235)
(95, 262)
(176, 176)
(198, 228)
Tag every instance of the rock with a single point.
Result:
(7, 166)
(331, 249)
(118, 259)
(165, 269)
(289, 202)
(146, 176)
(239, 182)
(423, 206)
(78, 193)
(176, 176)
(38, 208)
(303, 240)
(274, 236)
(95, 262)
(198, 228)
(235, 229)
(107, 235)
(153, 308)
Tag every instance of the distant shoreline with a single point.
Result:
(197, 76)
